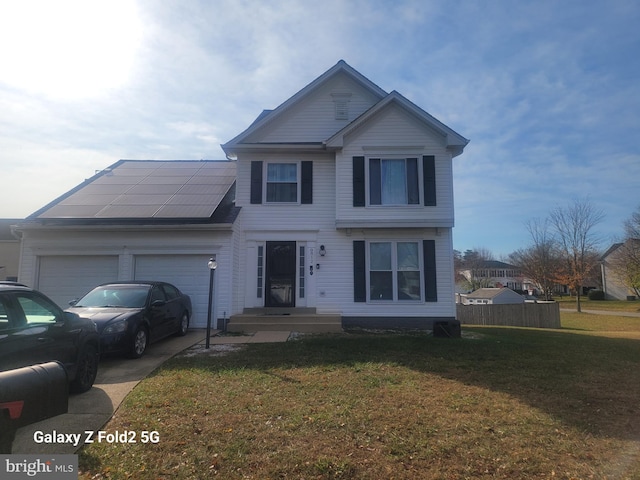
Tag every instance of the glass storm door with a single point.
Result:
(281, 274)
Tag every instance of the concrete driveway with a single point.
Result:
(91, 410)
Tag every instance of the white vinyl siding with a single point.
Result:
(314, 118)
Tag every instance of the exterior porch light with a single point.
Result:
(323, 251)
(212, 264)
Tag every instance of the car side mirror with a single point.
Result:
(71, 317)
(73, 302)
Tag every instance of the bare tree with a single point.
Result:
(578, 243)
(632, 225)
(539, 262)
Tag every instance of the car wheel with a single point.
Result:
(184, 325)
(140, 341)
(87, 370)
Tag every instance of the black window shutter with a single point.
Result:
(306, 174)
(429, 180)
(430, 276)
(375, 185)
(358, 182)
(256, 182)
(359, 272)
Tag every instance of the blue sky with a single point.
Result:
(548, 92)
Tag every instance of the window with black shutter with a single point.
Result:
(394, 181)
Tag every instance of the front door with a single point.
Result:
(281, 274)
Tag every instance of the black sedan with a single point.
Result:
(131, 315)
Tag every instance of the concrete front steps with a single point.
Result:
(304, 320)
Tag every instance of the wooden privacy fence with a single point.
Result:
(538, 315)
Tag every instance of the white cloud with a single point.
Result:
(548, 93)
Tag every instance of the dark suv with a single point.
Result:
(33, 329)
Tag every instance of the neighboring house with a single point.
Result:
(610, 266)
(493, 296)
(9, 250)
(498, 274)
(343, 209)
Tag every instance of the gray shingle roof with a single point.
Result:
(486, 293)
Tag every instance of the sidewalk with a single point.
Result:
(90, 411)
(257, 337)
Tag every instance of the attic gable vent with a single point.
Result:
(341, 102)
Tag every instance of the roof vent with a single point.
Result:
(341, 102)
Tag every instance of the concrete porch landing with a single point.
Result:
(304, 320)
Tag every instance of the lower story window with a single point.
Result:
(394, 271)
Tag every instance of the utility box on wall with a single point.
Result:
(447, 329)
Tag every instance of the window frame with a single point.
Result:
(395, 271)
(419, 184)
(266, 182)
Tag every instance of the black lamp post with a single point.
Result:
(212, 270)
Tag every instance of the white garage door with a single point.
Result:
(187, 272)
(65, 278)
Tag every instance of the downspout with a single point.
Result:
(19, 235)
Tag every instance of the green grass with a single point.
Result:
(504, 403)
(611, 305)
(597, 324)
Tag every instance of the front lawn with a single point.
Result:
(504, 403)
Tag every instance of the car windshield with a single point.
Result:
(127, 296)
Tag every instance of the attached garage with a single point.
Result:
(141, 220)
(65, 277)
(187, 272)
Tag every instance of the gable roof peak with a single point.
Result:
(455, 142)
(267, 116)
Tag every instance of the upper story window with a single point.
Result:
(393, 181)
(282, 182)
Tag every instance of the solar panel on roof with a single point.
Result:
(150, 189)
(71, 211)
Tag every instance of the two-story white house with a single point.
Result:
(346, 194)
(342, 215)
